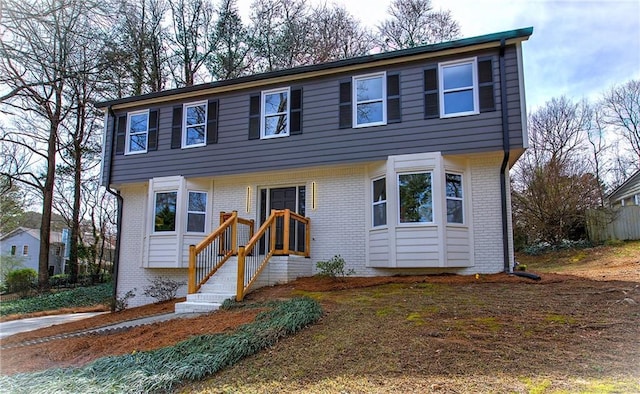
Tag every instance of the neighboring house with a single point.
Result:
(626, 194)
(399, 160)
(24, 243)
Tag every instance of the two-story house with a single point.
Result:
(398, 161)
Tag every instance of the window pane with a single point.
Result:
(458, 76)
(416, 202)
(195, 222)
(196, 115)
(195, 135)
(461, 101)
(138, 123)
(379, 190)
(380, 214)
(275, 103)
(454, 185)
(274, 125)
(454, 211)
(369, 89)
(197, 202)
(369, 113)
(137, 142)
(165, 219)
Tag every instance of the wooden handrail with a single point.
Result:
(269, 224)
(211, 237)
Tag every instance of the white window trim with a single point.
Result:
(374, 203)
(128, 134)
(446, 198)
(441, 91)
(25, 250)
(205, 213)
(355, 102)
(175, 220)
(263, 115)
(433, 204)
(184, 123)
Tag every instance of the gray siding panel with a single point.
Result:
(321, 141)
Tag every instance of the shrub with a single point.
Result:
(122, 303)
(333, 267)
(21, 281)
(59, 280)
(163, 289)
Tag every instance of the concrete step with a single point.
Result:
(196, 307)
(215, 298)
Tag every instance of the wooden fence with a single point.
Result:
(622, 223)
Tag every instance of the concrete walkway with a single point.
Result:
(33, 323)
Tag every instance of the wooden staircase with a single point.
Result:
(232, 259)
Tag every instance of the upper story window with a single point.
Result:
(195, 125)
(455, 204)
(275, 113)
(197, 212)
(415, 197)
(13, 250)
(165, 211)
(25, 250)
(370, 100)
(379, 202)
(137, 132)
(458, 88)
(370, 104)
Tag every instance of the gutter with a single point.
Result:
(116, 257)
(505, 160)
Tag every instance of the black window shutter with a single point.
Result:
(393, 98)
(486, 89)
(345, 115)
(431, 102)
(152, 142)
(212, 122)
(176, 128)
(295, 124)
(254, 117)
(121, 134)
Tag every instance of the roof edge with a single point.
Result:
(518, 35)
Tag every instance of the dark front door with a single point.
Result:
(283, 198)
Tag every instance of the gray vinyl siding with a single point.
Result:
(321, 141)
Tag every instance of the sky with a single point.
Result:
(579, 48)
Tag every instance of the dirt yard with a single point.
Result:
(411, 334)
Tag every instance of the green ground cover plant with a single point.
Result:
(81, 296)
(163, 369)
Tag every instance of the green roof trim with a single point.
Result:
(523, 33)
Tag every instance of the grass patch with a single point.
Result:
(559, 319)
(163, 369)
(78, 297)
(489, 322)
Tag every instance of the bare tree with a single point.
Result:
(38, 38)
(191, 45)
(336, 34)
(413, 23)
(553, 183)
(622, 112)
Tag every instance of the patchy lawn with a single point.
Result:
(444, 334)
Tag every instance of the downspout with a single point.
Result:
(119, 199)
(505, 159)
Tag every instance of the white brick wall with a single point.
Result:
(337, 223)
(130, 272)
